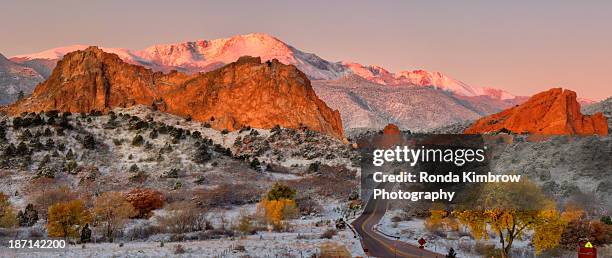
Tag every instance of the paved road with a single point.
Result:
(379, 245)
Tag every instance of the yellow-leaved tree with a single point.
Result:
(66, 218)
(511, 209)
(8, 219)
(111, 210)
(278, 205)
(439, 219)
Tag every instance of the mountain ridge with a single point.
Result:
(244, 93)
(16, 79)
(207, 55)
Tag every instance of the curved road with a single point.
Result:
(378, 245)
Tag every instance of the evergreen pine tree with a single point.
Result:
(86, 234)
(451, 253)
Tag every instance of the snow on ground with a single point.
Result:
(112, 159)
(303, 242)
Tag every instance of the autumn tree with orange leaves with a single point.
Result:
(145, 201)
(111, 211)
(65, 219)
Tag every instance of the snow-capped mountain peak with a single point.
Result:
(54, 53)
(205, 55)
(202, 54)
(438, 80)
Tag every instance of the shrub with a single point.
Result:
(50, 144)
(308, 206)
(595, 231)
(227, 195)
(64, 123)
(179, 249)
(141, 232)
(89, 142)
(10, 151)
(111, 210)
(138, 140)
(200, 180)
(137, 124)
(255, 164)
(139, 177)
(280, 191)
(245, 225)
(202, 154)
(86, 234)
(196, 135)
(182, 217)
(36, 145)
(145, 201)
(451, 253)
(173, 173)
(22, 149)
(45, 172)
(70, 166)
(28, 217)
(117, 142)
(153, 134)
(2, 133)
(65, 218)
(314, 167)
(606, 220)
(329, 233)
(7, 213)
(276, 129)
(134, 168)
(70, 154)
(17, 122)
(176, 133)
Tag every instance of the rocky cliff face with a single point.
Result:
(553, 112)
(604, 107)
(244, 93)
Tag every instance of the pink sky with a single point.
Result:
(521, 46)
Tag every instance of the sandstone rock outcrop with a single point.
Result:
(244, 93)
(553, 112)
(391, 129)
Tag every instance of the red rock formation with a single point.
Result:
(246, 92)
(553, 112)
(391, 129)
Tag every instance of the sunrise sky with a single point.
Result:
(520, 46)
